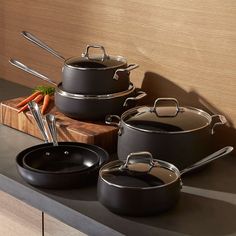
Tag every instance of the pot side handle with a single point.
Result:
(127, 70)
(140, 95)
(109, 120)
(219, 120)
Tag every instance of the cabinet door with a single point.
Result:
(54, 227)
(17, 218)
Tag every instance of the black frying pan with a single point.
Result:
(62, 180)
(61, 159)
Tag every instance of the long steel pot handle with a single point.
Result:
(41, 44)
(51, 122)
(140, 95)
(34, 108)
(25, 68)
(221, 120)
(220, 153)
(127, 70)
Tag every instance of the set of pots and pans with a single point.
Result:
(156, 146)
(92, 85)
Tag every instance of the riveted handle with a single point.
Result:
(221, 120)
(172, 100)
(86, 53)
(127, 70)
(140, 95)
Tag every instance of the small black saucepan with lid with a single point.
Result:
(144, 186)
(100, 74)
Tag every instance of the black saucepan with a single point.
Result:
(62, 180)
(88, 107)
(144, 186)
(91, 75)
(179, 135)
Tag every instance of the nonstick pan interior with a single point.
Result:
(61, 159)
(62, 180)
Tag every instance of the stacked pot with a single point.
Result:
(92, 86)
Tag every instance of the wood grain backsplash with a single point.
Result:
(185, 49)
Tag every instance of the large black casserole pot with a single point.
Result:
(145, 186)
(179, 135)
(86, 74)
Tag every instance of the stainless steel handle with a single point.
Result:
(139, 96)
(221, 121)
(173, 100)
(23, 67)
(86, 53)
(41, 44)
(51, 122)
(220, 153)
(34, 108)
(127, 70)
(109, 120)
(135, 154)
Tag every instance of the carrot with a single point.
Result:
(46, 102)
(28, 99)
(37, 99)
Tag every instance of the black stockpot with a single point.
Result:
(144, 186)
(95, 107)
(179, 135)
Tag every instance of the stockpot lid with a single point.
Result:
(95, 62)
(139, 170)
(166, 119)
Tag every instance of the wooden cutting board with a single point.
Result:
(68, 129)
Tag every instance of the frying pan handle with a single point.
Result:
(139, 96)
(86, 53)
(41, 44)
(220, 153)
(23, 67)
(221, 120)
(51, 122)
(127, 70)
(34, 108)
(173, 100)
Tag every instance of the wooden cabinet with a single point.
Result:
(18, 218)
(54, 227)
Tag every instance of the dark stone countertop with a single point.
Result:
(207, 205)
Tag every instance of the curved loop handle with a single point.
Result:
(23, 67)
(51, 122)
(173, 100)
(220, 153)
(135, 154)
(140, 95)
(41, 44)
(109, 120)
(127, 70)
(34, 108)
(86, 53)
(222, 121)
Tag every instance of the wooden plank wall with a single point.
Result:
(185, 49)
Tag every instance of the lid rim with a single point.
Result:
(169, 166)
(128, 112)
